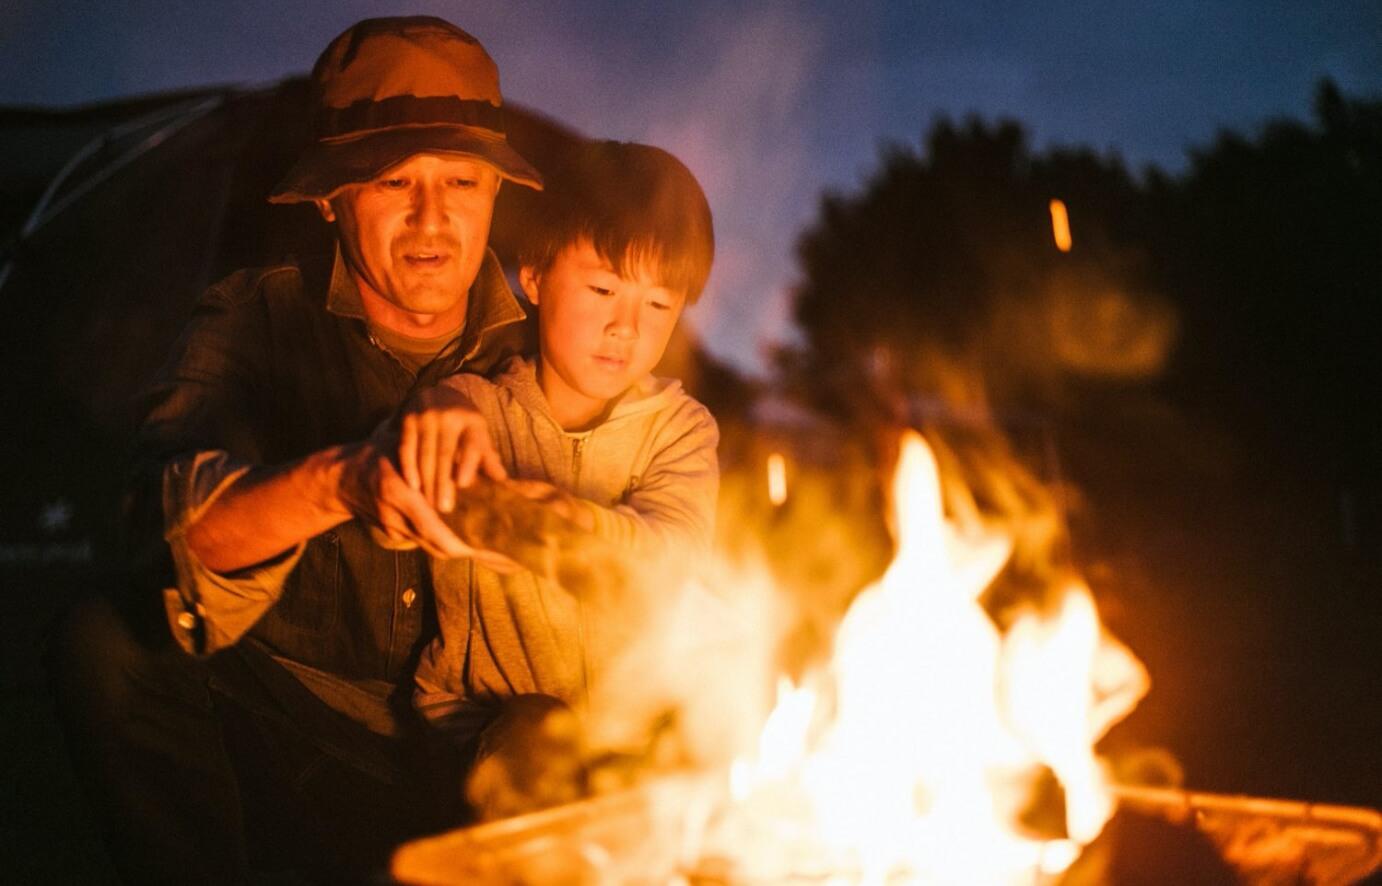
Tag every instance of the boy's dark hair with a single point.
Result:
(638, 205)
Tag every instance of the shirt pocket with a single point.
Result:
(311, 600)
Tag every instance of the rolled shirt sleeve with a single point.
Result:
(209, 610)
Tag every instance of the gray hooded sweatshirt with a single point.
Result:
(649, 478)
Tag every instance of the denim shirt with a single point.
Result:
(274, 364)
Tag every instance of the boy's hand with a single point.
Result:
(443, 443)
(558, 501)
(530, 521)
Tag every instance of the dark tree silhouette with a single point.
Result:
(943, 269)
(1242, 288)
(1274, 249)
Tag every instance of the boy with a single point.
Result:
(625, 241)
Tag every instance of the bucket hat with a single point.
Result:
(389, 88)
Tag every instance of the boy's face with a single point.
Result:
(598, 332)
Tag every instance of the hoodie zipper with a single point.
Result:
(577, 448)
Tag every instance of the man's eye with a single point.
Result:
(393, 184)
(466, 183)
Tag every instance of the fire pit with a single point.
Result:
(935, 747)
(637, 837)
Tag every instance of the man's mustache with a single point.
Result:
(437, 245)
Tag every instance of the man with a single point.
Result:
(292, 551)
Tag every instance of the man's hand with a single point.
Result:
(373, 490)
(443, 443)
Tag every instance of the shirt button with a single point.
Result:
(187, 621)
(408, 597)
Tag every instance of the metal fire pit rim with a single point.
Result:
(418, 862)
(1192, 802)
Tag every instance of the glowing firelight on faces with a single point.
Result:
(939, 723)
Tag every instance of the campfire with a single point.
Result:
(934, 746)
(914, 755)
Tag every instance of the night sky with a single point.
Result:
(768, 103)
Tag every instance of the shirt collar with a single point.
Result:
(342, 295)
(491, 305)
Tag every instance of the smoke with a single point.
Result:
(693, 673)
(742, 127)
(738, 97)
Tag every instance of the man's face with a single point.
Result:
(599, 332)
(415, 236)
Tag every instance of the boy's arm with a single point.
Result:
(672, 507)
(669, 513)
(446, 445)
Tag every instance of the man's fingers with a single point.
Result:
(427, 456)
(470, 457)
(389, 536)
(445, 545)
(433, 533)
(445, 498)
(407, 451)
(434, 551)
(403, 511)
(437, 539)
(401, 536)
(496, 561)
(493, 466)
(407, 519)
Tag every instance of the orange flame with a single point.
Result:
(938, 724)
(1060, 225)
(777, 479)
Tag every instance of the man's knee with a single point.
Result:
(529, 758)
(100, 666)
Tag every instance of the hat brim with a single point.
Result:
(327, 166)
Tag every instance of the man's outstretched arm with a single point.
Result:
(210, 519)
(447, 447)
(267, 511)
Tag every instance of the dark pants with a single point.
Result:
(201, 771)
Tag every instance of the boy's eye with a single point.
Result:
(660, 306)
(600, 290)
